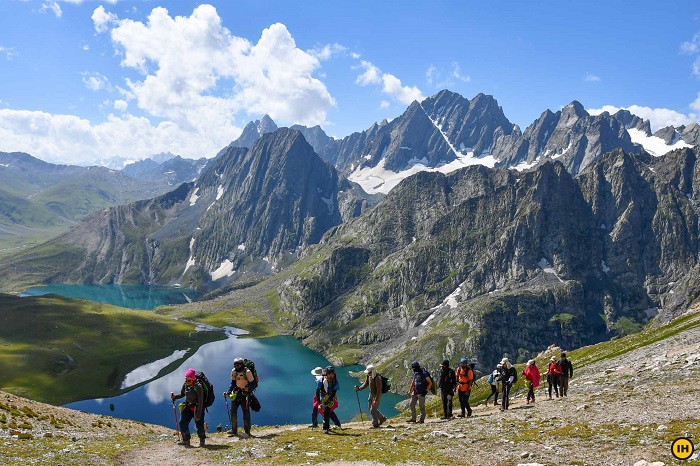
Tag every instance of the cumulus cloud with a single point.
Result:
(658, 117)
(389, 83)
(591, 78)
(384, 104)
(74, 140)
(194, 76)
(103, 19)
(121, 105)
(272, 76)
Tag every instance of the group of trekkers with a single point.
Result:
(451, 382)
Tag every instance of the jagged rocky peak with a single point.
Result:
(631, 120)
(691, 134)
(669, 134)
(254, 131)
(572, 113)
(314, 136)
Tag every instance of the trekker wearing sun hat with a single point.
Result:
(376, 385)
(532, 375)
(193, 407)
(553, 375)
(508, 377)
(328, 400)
(318, 373)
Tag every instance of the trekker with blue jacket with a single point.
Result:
(326, 393)
(420, 385)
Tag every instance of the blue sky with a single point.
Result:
(84, 80)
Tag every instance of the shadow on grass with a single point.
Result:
(217, 447)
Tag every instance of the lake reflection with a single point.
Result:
(285, 392)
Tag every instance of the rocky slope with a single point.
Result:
(622, 409)
(484, 261)
(251, 208)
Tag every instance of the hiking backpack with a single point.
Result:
(248, 364)
(386, 384)
(433, 387)
(208, 388)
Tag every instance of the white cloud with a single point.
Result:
(102, 19)
(355, 55)
(390, 84)
(692, 47)
(195, 105)
(327, 51)
(431, 74)
(52, 6)
(272, 76)
(456, 73)
(96, 81)
(384, 104)
(8, 52)
(372, 74)
(121, 105)
(591, 78)
(74, 140)
(658, 117)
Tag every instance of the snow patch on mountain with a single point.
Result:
(378, 179)
(654, 144)
(224, 270)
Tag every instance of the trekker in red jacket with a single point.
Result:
(532, 375)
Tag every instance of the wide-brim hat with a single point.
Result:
(369, 368)
(531, 362)
(504, 360)
(317, 371)
(553, 358)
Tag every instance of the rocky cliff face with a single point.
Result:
(571, 136)
(252, 208)
(253, 131)
(435, 131)
(484, 261)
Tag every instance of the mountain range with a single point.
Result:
(447, 230)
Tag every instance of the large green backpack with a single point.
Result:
(386, 384)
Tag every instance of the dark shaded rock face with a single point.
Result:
(484, 261)
(571, 136)
(253, 131)
(432, 132)
(250, 206)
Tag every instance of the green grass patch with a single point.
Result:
(59, 350)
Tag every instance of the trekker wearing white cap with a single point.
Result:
(318, 374)
(493, 382)
(376, 385)
(508, 377)
(553, 375)
(532, 376)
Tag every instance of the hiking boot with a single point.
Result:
(313, 426)
(374, 426)
(411, 421)
(382, 421)
(201, 442)
(184, 443)
(244, 435)
(421, 421)
(326, 431)
(460, 415)
(232, 433)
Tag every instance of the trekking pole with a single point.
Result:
(177, 424)
(357, 394)
(228, 410)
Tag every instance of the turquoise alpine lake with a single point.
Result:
(283, 364)
(129, 296)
